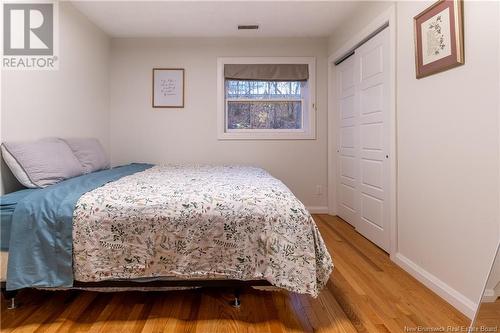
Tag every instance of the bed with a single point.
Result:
(170, 225)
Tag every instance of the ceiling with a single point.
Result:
(217, 18)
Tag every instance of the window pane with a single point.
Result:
(263, 89)
(264, 114)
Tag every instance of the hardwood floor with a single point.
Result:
(366, 293)
(489, 315)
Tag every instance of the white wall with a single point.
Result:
(448, 149)
(73, 101)
(355, 23)
(448, 155)
(141, 133)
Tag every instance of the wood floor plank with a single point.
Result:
(367, 292)
(98, 324)
(162, 308)
(135, 321)
(12, 319)
(489, 314)
(71, 310)
(288, 319)
(44, 311)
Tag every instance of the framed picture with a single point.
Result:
(168, 87)
(439, 37)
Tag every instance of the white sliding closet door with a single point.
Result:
(363, 152)
(347, 153)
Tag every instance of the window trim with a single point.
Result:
(308, 132)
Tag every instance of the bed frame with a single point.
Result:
(236, 285)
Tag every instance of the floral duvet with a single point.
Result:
(199, 222)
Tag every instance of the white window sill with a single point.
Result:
(267, 135)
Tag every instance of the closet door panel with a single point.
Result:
(348, 142)
(372, 211)
(373, 87)
(371, 99)
(372, 173)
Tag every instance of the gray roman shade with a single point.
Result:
(266, 72)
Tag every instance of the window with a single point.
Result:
(264, 104)
(266, 98)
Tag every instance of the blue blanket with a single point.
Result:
(41, 242)
(8, 203)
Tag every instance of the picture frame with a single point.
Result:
(439, 38)
(168, 88)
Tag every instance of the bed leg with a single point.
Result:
(236, 302)
(10, 295)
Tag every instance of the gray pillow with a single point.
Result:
(41, 163)
(16, 169)
(90, 153)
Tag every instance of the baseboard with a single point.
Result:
(317, 209)
(489, 296)
(452, 296)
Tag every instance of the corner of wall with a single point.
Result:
(75, 98)
(354, 24)
(442, 289)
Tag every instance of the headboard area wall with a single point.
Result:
(69, 102)
(189, 134)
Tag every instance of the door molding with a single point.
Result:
(388, 16)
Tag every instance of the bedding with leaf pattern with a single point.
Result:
(199, 222)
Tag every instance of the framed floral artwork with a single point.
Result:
(439, 38)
